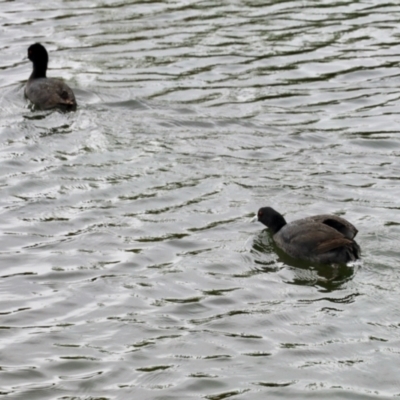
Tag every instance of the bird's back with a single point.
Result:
(47, 93)
(310, 239)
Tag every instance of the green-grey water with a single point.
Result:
(129, 263)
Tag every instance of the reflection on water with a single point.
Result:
(129, 265)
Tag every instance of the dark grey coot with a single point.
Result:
(46, 93)
(322, 239)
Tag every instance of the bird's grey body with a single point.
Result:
(47, 93)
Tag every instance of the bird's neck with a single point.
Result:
(278, 223)
(39, 71)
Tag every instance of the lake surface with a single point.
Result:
(130, 267)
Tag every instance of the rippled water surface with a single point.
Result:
(130, 267)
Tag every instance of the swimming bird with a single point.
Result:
(322, 239)
(46, 93)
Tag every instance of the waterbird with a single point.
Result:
(322, 239)
(46, 93)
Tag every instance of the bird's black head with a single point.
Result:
(38, 54)
(271, 218)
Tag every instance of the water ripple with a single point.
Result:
(130, 267)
